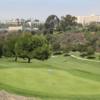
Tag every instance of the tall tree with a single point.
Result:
(30, 47)
(9, 45)
(51, 23)
(67, 22)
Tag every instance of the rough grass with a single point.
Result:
(59, 78)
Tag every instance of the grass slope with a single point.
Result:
(59, 78)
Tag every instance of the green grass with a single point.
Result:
(97, 55)
(59, 78)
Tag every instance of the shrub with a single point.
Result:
(91, 57)
(58, 53)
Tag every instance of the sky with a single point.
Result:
(41, 9)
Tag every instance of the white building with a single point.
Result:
(15, 28)
(88, 19)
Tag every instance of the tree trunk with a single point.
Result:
(15, 58)
(29, 60)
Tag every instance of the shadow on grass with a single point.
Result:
(10, 63)
(85, 74)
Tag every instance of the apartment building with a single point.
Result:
(88, 19)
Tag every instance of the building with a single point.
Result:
(14, 22)
(88, 19)
(15, 28)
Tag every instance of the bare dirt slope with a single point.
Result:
(7, 96)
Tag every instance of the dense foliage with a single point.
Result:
(25, 46)
(55, 36)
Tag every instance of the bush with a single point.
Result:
(99, 57)
(91, 57)
(43, 53)
(90, 50)
(58, 53)
(1, 52)
(84, 54)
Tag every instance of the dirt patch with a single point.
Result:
(7, 96)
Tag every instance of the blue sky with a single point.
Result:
(42, 8)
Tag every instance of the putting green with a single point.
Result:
(59, 78)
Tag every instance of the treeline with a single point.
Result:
(67, 23)
(25, 46)
(66, 35)
(55, 36)
(41, 47)
(86, 44)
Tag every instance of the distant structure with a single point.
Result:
(15, 28)
(84, 20)
(16, 25)
(14, 22)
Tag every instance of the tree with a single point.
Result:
(93, 27)
(42, 53)
(30, 47)
(67, 22)
(1, 47)
(70, 41)
(54, 40)
(9, 45)
(51, 23)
